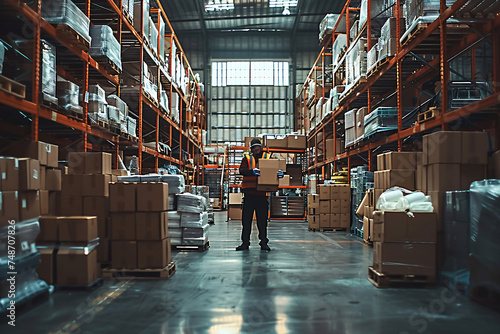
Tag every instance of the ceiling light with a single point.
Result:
(283, 3)
(215, 5)
(286, 11)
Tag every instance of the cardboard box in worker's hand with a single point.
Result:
(268, 179)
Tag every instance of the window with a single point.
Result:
(255, 73)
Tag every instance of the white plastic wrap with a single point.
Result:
(372, 57)
(196, 232)
(194, 219)
(145, 15)
(97, 104)
(68, 94)
(131, 126)
(2, 56)
(174, 232)
(161, 46)
(115, 101)
(378, 9)
(48, 70)
(164, 101)
(153, 36)
(191, 203)
(356, 62)
(105, 44)
(66, 12)
(25, 234)
(176, 183)
(400, 199)
(114, 114)
(327, 24)
(338, 45)
(195, 241)
(174, 217)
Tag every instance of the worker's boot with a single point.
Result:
(264, 246)
(243, 246)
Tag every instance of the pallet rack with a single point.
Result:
(479, 21)
(77, 66)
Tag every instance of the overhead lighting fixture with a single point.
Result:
(283, 3)
(218, 5)
(286, 11)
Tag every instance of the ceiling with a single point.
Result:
(189, 16)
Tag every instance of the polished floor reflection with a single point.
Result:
(310, 283)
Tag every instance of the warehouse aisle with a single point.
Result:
(309, 283)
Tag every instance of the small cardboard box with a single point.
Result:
(442, 177)
(46, 269)
(29, 174)
(235, 212)
(98, 163)
(324, 191)
(99, 207)
(381, 162)
(335, 206)
(9, 207)
(313, 201)
(53, 179)
(296, 142)
(285, 181)
(154, 254)
(277, 142)
(29, 204)
(400, 160)
(77, 229)
(75, 267)
(313, 222)
(44, 202)
(71, 206)
(72, 185)
(152, 197)
(324, 220)
(324, 207)
(345, 221)
(122, 197)
(96, 185)
(392, 258)
(49, 228)
(402, 178)
(235, 198)
(122, 226)
(151, 225)
(392, 226)
(268, 179)
(366, 229)
(9, 174)
(124, 254)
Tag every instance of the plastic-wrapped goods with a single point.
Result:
(415, 202)
(25, 237)
(164, 101)
(378, 9)
(372, 57)
(131, 126)
(97, 104)
(105, 44)
(123, 126)
(387, 48)
(153, 36)
(194, 219)
(114, 114)
(175, 218)
(115, 101)
(131, 178)
(68, 94)
(195, 232)
(66, 12)
(154, 92)
(176, 241)
(161, 46)
(190, 203)
(172, 202)
(338, 45)
(175, 232)
(356, 62)
(176, 183)
(145, 15)
(350, 118)
(484, 235)
(416, 9)
(311, 90)
(2, 56)
(194, 241)
(353, 32)
(128, 8)
(48, 72)
(327, 24)
(175, 107)
(381, 119)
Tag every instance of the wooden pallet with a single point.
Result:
(332, 229)
(378, 65)
(12, 87)
(101, 124)
(70, 36)
(107, 64)
(92, 286)
(191, 247)
(414, 33)
(73, 114)
(140, 274)
(150, 99)
(486, 296)
(385, 281)
(427, 115)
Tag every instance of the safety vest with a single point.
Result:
(251, 181)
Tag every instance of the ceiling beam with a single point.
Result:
(219, 18)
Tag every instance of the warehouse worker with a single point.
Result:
(254, 201)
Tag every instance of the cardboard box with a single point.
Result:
(122, 197)
(54, 203)
(123, 226)
(313, 211)
(438, 202)
(151, 225)
(471, 173)
(98, 163)
(401, 178)
(345, 206)
(285, 181)
(345, 221)
(392, 226)
(152, 197)
(77, 229)
(282, 165)
(74, 267)
(296, 142)
(360, 121)
(71, 206)
(119, 172)
(421, 178)
(400, 160)
(52, 155)
(44, 202)
(313, 222)
(9, 174)
(335, 206)
(72, 185)
(46, 269)
(99, 207)
(475, 148)
(420, 158)
(371, 228)
(381, 162)
(442, 147)
(248, 140)
(76, 163)
(53, 179)
(42, 175)
(324, 207)
(103, 251)
(96, 185)
(235, 212)
(124, 254)
(36, 150)
(378, 178)
(324, 220)
(366, 229)
(443, 177)
(154, 254)
(9, 207)
(295, 172)
(377, 194)
(341, 191)
(29, 174)
(49, 228)
(280, 142)
(235, 198)
(392, 258)
(324, 191)
(313, 201)
(268, 179)
(29, 204)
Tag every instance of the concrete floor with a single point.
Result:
(310, 283)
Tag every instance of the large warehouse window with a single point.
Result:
(255, 73)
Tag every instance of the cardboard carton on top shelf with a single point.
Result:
(9, 174)
(29, 174)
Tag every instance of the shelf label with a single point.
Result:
(86, 97)
(54, 116)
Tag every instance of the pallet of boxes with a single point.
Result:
(330, 209)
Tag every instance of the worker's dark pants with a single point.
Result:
(257, 203)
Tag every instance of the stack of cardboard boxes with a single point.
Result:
(365, 211)
(289, 141)
(331, 208)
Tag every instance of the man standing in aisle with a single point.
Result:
(254, 201)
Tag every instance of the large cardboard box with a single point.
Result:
(152, 197)
(442, 147)
(400, 160)
(99, 207)
(98, 163)
(313, 222)
(151, 225)
(268, 179)
(103, 250)
(76, 163)
(235, 212)
(49, 228)
(443, 177)
(53, 179)
(29, 205)
(72, 185)
(124, 254)
(71, 206)
(77, 229)
(235, 198)
(360, 121)
(345, 206)
(41, 175)
(475, 148)
(9, 174)
(324, 191)
(296, 142)
(324, 207)
(123, 226)
(122, 197)
(401, 178)
(154, 254)
(471, 173)
(334, 206)
(46, 154)
(313, 201)
(280, 142)
(44, 202)
(421, 178)
(324, 220)
(340, 192)
(29, 174)
(438, 202)
(366, 229)
(378, 179)
(392, 226)
(9, 207)
(345, 220)
(54, 203)
(46, 269)
(96, 185)
(312, 211)
(75, 267)
(392, 258)
(376, 195)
